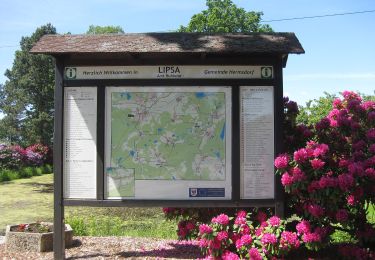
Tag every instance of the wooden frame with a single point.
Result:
(276, 61)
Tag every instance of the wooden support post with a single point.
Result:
(58, 222)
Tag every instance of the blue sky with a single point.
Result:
(339, 55)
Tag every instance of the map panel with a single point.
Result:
(166, 134)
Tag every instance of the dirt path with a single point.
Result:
(117, 248)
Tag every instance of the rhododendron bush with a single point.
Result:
(15, 157)
(332, 179)
(328, 172)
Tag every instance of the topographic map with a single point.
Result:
(160, 135)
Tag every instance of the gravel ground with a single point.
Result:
(116, 248)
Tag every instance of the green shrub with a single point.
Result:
(8, 175)
(47, 168)
(117, 224)
(26, 172)
(4, 176)
(38, 171)
(78, 226)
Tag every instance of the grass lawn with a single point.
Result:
(30, 200)
(26, 200)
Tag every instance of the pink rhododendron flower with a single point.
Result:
(321, 150)
(346, 181)
(324, 123)
(371, 116)
(205, 229)
(215, 244)
(261, 216)
(359, 145)
(297, 174)
(342, 215)
(351, 200)
(370, 162)
(245, 229)
(190, 226)
(302, 155)
(182, 232)
(322, 231)
(281, 161)
(337, 103)
(370, 172)
(316, 164)
(367, 105)
(203, 242)
(228, 255)
(306, 133)
(311, 144)
(239, 244)
(222, 219)
(268, 238)
(246, 240)
(327, 182)
(354, 126)
(303, 227)
(234, 237)
(292, 106)
(315, 210)
(240, 221)
(355, 168)
(241, 214)
(311, 237)
(343, 163)
(371, 134)
(332, 116)
(350, 95)
(259, 230)
(286, 179)
(254, 254)
(222, 235)
(313, 186)
(167, 210)
(343, 119)
(274, 221)
(289, 238)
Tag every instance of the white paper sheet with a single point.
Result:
(257, 142)
(80, 110)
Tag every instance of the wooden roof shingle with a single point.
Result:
(251, 43)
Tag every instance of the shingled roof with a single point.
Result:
(253, 43)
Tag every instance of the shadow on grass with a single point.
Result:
(179, 251)
(40, 187)
(6, 182)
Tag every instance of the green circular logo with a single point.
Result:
(70, 73)
(266, 72)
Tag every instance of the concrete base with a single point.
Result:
(35, 242)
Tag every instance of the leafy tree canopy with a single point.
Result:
(26, 98)
(96, 29)
(223, 16)
(317, 109)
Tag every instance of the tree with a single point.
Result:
(26, 98)
(316, 109)
(96, 29)
(224, 16)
